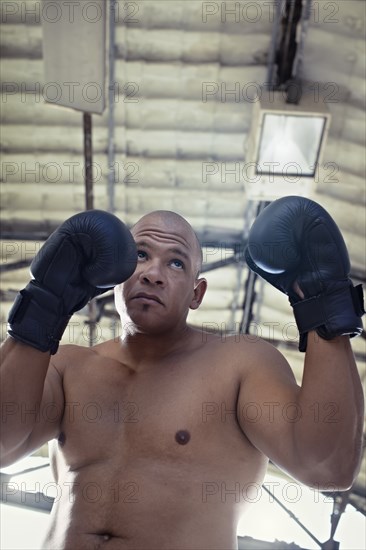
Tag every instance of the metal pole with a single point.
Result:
(271, 75)
(88, 161)
(111, 102)
(89, 205)
(292, 516)
(249, 296)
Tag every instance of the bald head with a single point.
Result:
(168, 221)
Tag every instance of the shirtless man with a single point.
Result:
(152, 431)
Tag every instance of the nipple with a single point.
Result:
(182, 437)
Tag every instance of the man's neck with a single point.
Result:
(142, 347)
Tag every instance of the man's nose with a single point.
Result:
(151, 273)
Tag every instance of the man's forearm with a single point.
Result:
(329, 435)
(23, 371)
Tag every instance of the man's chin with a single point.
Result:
(146, 322)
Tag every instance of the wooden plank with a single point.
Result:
(194, 145)
(135, 171)
(202, 82)
(150, 113)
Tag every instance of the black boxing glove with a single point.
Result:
(295, 240)
(87, 255)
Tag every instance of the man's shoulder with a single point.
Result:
(244, 350)
(69, 355)
(248, 342)
(74, 359)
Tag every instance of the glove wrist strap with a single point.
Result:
(36, 318)
(334, 314)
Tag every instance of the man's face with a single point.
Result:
(164, 286)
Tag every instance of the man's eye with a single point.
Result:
(177, 263)
(141, 255)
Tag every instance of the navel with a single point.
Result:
(182, 437)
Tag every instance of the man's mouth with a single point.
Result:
(147, 297)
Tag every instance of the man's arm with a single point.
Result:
(88, 253)
(32, 400)
(331, 379)
(296, 246)
(313, 432)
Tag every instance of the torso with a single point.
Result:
(153, 459)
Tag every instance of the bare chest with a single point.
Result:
(175, 411)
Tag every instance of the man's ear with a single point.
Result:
(199, 292)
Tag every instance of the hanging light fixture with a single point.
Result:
(285, 145)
